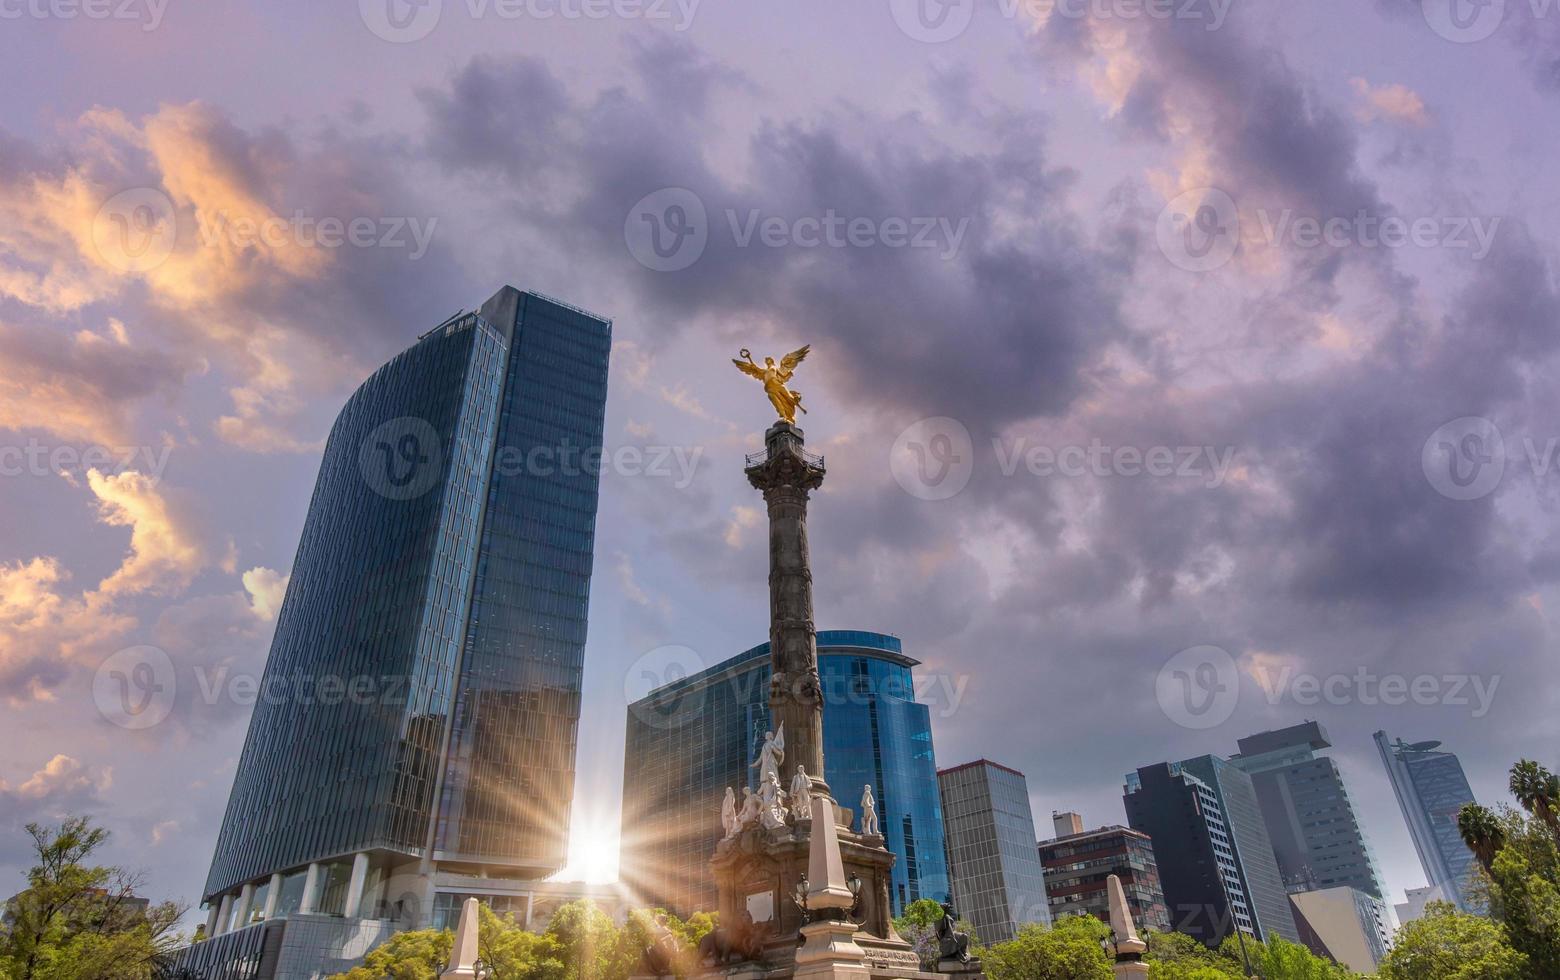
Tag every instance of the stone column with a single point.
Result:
(246, 900)
(311, 890)
(786, 474)
(211, 919)
(355, 885)
(224, 912)
(273, 894)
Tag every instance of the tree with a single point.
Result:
(1538, 790)
(1070, 950)
(1446, 944)
(589, 943)
(77, 921)
(1522, 891)
(918, 927)
(419, 955)
(1482, 832)
(1279, 959)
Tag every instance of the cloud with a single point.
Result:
(1394, 102)
(266, 588)
(168, 547)
(46, 629)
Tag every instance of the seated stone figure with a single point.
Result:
(951, 943)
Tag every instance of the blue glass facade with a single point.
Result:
(421, 697)
(1431, 789)
(689, 740)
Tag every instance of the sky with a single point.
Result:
(1184, 370)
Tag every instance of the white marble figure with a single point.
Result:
(749, 813)
(869, 815)
(801, 795)
(770, 755)
(728, 814)
(772, 813)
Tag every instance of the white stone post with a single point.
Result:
(829, 950)
(1129, 946)
(355, 884)
(223, 913)
(273, 895)
(311, 889)
(463, 956)
(246, 900)
(211, 919)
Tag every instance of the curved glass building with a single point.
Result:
(689, 740)
(416, 722)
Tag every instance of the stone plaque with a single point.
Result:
(761, 906)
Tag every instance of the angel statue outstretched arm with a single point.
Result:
(774, 376)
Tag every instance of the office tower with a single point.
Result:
(998, 883)
(1413, 905)
(416, 728)
(1194, 850)
(1077, 862)
(689, 740)
(1344, 924)
(1253, 848)
(1310, 818)
(1431, 789)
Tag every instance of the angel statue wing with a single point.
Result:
(748, 367)
(780, 737)
(789, 362)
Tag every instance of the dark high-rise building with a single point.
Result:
(1317, 838)
(1431, 788)
(1253, 848)
(416, 725)
(689, 740)
(998, 883)
(1078, 862)
(1199, 870)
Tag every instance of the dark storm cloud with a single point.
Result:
(994, 326)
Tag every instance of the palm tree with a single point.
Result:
(1538, 790)
(1481, 831)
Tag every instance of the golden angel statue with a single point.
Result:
(774, 376)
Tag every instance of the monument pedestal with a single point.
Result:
(829, 952)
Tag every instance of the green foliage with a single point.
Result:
(75, 920)
(1177, 956)
(1279, 959)
(1070, 950)
(1450, 945)
(419, 955)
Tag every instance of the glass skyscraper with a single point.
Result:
(1431, 788)
(998, 881)
(690, 739)
(416, 722)
(1316, 836)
